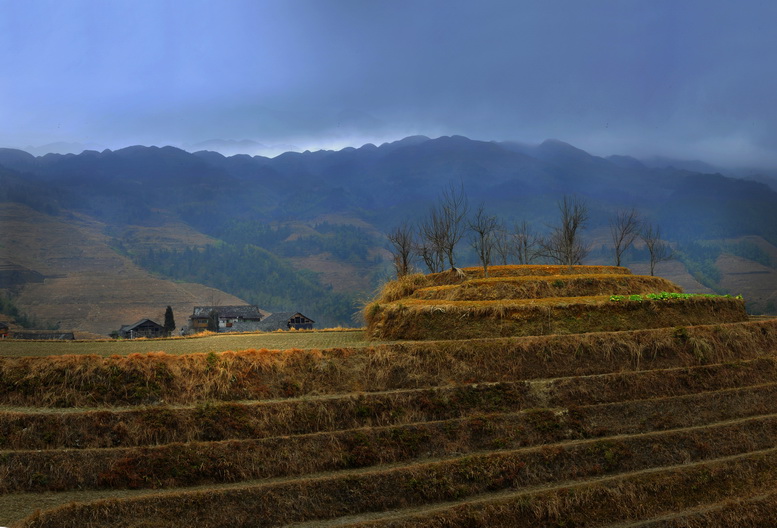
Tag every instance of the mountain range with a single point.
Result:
(319, 218)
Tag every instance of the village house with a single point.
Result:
(3, 330)
(242, 318)
(286, 321)
(143, 328)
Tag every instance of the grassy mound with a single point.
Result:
(535, 300)
(406, 286)
(528, 287)
(413, 319)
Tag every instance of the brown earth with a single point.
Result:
(341, 276)
(89, 287)
(674, 271)
(755, 282)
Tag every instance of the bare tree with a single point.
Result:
(504, 245)
(624, 229)
(526, 243)
(453, 208)
(213, 320)
(659, 251)
(403, 247)
(431, 241)
(484, 228)
(443, 228)
(564, 245)
(433, 260)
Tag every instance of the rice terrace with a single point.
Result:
(551, 396)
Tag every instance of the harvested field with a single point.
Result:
(673, 425)
(200, 343)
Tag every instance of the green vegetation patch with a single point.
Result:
(666, 296)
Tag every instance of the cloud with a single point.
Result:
(643, 75)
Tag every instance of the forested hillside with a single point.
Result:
(255, 275)
(306, 231)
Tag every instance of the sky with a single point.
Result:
(691, 79)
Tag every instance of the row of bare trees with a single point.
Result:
(434, 239)
(626, 226)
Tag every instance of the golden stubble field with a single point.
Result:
(197, 344)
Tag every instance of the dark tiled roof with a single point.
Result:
(246, 311)
(276, 321)
(127, 328)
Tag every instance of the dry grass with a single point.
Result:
(760, 510)
(532, 300)
(665, 423)
(407, 285)
(225, 421)
(496, 288)
(539, 270)
(455, 479)
(421, 319)
(611, 500)
(200, 343)
(86, 381)
(194, 463)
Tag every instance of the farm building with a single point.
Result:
(286, 321)
(243, 318)
(3, 330)
(143, 328)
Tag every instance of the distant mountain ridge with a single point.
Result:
(371, 189)
(390, 179)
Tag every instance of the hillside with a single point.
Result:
(83, 284)
(657, 426)
(324, 214)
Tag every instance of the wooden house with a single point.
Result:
(3, 330)
(240, 318)
(143, 328)
(286, 321)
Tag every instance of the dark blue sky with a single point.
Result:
(692, 79)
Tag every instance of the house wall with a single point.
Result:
(241, 326)
(300, 322)
(198, 325)
(225, 325)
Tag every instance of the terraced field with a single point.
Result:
(667, 426)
